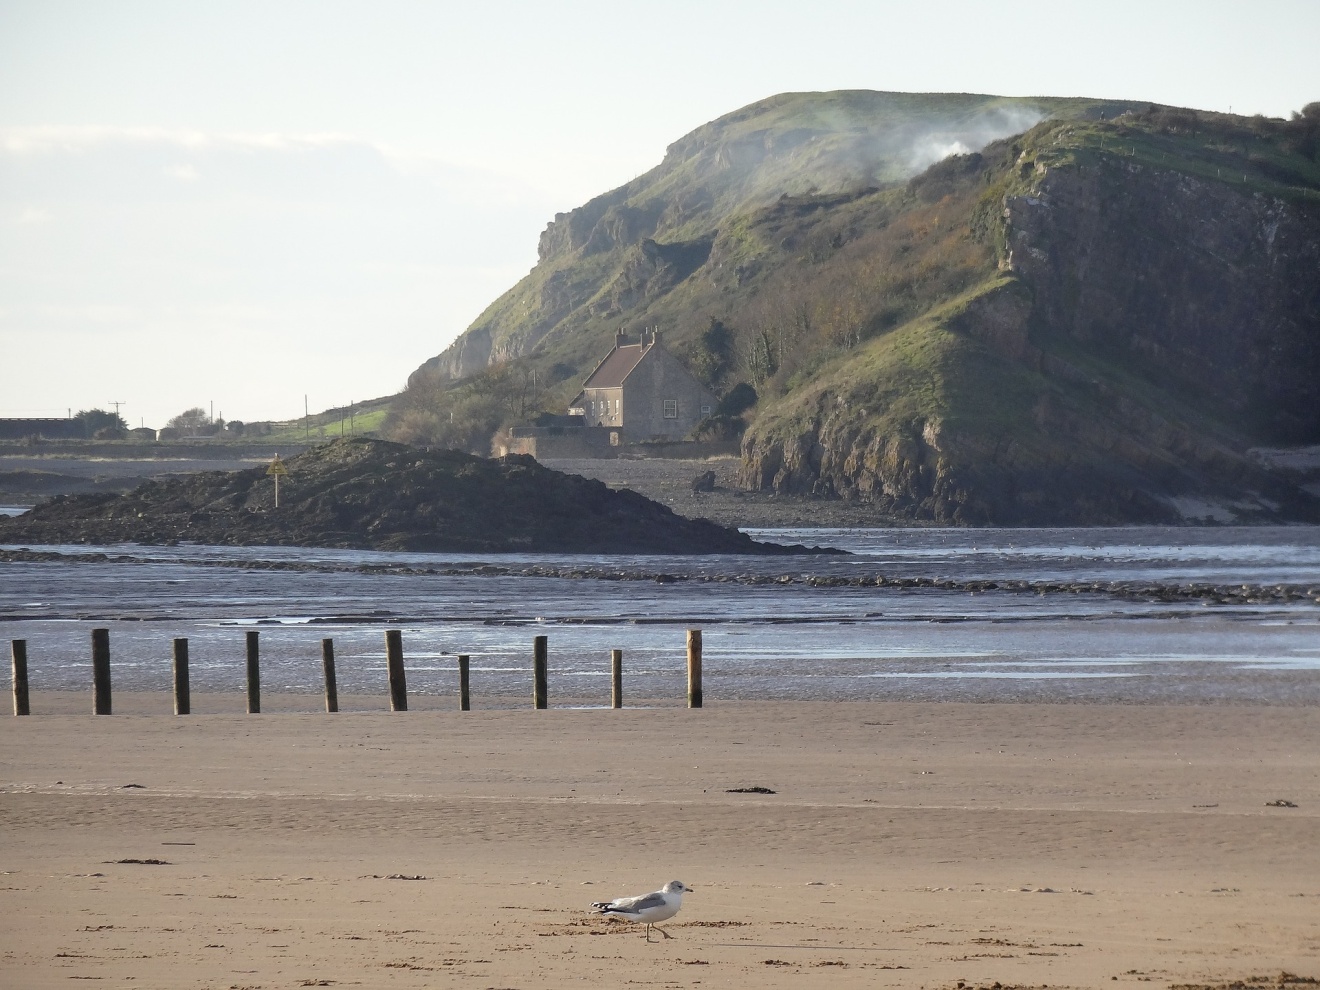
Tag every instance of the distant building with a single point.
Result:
(638, 395)
(47, 429)
(642, 392)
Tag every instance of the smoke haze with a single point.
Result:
(935, 145)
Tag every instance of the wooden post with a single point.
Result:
(540, 676)
(394, 661)
(694, 668)
(101, 671)
(253, 672)
(464, 694)
(616, 678)
(18, 648)
(182, 700)
(328, 668)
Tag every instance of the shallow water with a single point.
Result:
(779, 638)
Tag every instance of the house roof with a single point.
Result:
(617, 365)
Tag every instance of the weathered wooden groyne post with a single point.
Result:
(616, 678)
(394, 664)
(540, 675)
(18, 651)
(253, 639)
(328, 670)
(464, 693)
(182, 698)
(101, 671)
(694, 668)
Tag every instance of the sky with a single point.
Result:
(247, 205)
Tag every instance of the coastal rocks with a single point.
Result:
(370, 494)
(1146, 330)
(1193, 283)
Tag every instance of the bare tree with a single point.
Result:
(191, 421)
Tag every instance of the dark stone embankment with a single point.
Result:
(374, 495)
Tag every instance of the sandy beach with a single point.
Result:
(910, 845)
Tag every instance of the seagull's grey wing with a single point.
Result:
(653, 900)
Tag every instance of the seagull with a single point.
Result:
(648, 909)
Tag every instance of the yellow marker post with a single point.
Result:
(277, 470)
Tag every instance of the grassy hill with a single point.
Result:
(1088, 311)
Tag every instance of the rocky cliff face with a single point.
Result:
(795, 143)
(1148, 328)
(1194, 284)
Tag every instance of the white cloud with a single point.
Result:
(32, 214)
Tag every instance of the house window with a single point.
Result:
(705, 410)
(614, 438)
(671, 409)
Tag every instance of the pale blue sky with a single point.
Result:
(245, 202)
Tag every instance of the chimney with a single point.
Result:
(620, 338)
(655, 336)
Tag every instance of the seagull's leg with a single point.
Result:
(663, 932)
(648, 931)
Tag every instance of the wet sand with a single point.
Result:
(912, 845)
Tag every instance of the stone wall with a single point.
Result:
(657, 378)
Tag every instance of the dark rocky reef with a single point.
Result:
(371, 494)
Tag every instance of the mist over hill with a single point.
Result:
(968, 309)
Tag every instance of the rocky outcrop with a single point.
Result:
(650, 270)
(1050, 445)
(1156, 315)
(370, 494)
(1192, 283)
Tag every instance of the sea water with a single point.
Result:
(773, 627)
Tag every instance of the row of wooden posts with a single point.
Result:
(394, 666)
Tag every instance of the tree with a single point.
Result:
(713, 354)
(191, 421)
(96, 421)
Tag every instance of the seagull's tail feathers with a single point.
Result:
(601, 906)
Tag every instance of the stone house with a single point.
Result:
(640, 392)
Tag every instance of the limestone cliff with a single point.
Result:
(790, 144)
(1149, 326)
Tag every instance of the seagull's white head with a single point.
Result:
(676, 887)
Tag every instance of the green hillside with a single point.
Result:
(1089, 303)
